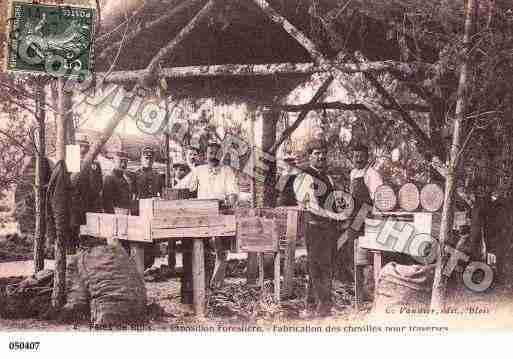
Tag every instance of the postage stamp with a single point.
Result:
(50, 39)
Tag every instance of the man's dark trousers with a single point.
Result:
(321, 244)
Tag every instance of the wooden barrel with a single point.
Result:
(384, 198)
(432, 197)
(409, 197)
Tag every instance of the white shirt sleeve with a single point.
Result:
(190, 181)
(372, 180)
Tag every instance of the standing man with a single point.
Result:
(364, 182)
(215, 181)
(314, 191)
(116, 190)
(285, 185)
(86, 195)
(148, 184)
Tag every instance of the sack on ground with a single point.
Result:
(404, 285)
(116, 289)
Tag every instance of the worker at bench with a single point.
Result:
(214, 181)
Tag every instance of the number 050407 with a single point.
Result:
(23, 345)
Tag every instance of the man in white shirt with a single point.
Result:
(214, 181)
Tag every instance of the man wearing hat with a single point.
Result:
(148, 184)
(116, 190)
(86, 195)
(314, 191)
(215, 181)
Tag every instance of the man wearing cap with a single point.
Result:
(215, 181)
(116, 190)
(314, 191)
(148, 184)
(86, 195)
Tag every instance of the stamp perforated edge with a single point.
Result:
(8, 29)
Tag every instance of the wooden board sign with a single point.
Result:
(384, 198)
(409, 197)
(432, 197)
(257, 234)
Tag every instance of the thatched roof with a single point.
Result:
(237, 32)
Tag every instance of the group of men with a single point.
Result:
(310, 188)
(314, 190)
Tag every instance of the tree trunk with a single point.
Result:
(41, 182)
(270, 119)
(59, 282)
(441, 276)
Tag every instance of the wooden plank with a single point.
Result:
(290, 253)
(185, 208)
(137, 252)
(261, 270)
(138, 229)
(277, 276)
(198, 277)
(377, 264)
(184, 222)
(358, 280)
(201, 232)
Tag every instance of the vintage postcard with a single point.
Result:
(256, 167)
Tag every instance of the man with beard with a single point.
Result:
(116, 190)
(314, 191)
(86, 195)
(215, 181)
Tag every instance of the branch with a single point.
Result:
(421, 135)
(159, 21)
(285, 68)
(288, 131)
(336, 105)
(301, 38)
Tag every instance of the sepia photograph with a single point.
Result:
(255, 167)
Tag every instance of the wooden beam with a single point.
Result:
(301, 38)
(286, 68)
(288, 132)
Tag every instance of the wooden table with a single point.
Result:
(160, 220)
